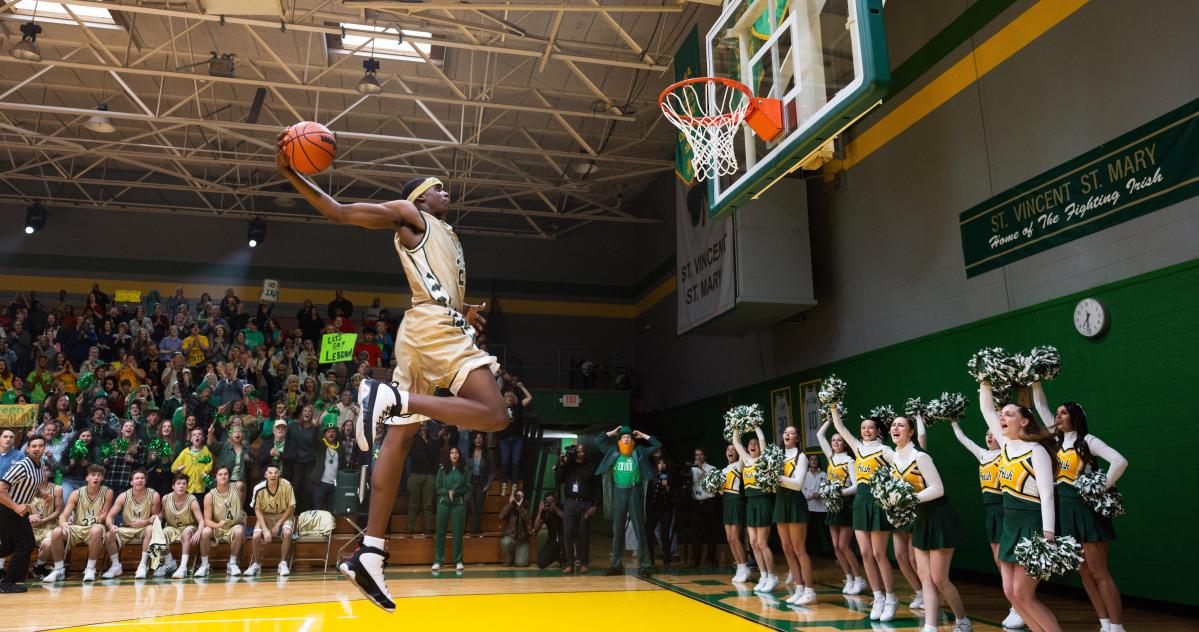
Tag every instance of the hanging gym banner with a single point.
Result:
(686, 66)
(1149, 168)
(705, 268)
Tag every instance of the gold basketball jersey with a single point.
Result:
(435, 268)
(88, 509)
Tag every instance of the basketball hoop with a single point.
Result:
(710, 121)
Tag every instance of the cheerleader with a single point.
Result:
(791, 519)
(1076, 455)
(1026, 473)
(840, 523)
(870, 525)
(934, 533)
(901, 537)
(759, 510)
(988, 480)
(733, 506)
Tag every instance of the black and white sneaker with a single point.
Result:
(377, 401)
(367, 576)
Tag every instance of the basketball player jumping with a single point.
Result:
(435, 348)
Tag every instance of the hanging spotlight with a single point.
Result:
(35, 218)
(256, 232)
(369, 84)
(100, 123)
(221, 66)
(27, 49)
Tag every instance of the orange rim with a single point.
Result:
(706, 121)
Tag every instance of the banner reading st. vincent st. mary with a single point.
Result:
(1147, 169)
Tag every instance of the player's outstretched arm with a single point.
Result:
(388, 215)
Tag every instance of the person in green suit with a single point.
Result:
(631, 468)
(453, 483)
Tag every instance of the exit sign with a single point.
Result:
(570, 400)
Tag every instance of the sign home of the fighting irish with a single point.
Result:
(1149, 168)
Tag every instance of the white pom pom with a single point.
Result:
(830, 492)
(744, 418)
(769, 467)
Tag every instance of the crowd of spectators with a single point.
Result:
(183, 386)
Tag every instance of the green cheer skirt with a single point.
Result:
(1076, 518)
(790, 506)
(733, 506)
(936, 526)
(759, 510)
(843, 518)
(1021, 519)
(867, 515)
(993, 516)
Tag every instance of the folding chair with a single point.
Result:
(302, 536)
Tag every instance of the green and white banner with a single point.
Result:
(686, 65)
(1149, 168)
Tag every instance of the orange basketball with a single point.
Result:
(310, 147)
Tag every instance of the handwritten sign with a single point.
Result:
(18, 415)
(128, 296)
(1147, 169)
(337, 347)
(270, 291)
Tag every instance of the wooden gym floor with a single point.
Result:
(488, 596)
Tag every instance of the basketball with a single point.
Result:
(310, 147)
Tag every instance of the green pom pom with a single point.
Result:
(742, 418)
(832, 390)
(884, 413)
(830, 492)
(947, 407)
(78, 450)
(895, 496)
(204, 459)
(208, 482)
(1043, 559)
(769, 467)
(994, 365)
(121, 445)
(915, 407)
(712, 482)
(85, 381)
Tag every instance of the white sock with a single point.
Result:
(919, 594)
(145, 558)
(1, 563)
(203, 560)
(373, 542)
(115, 558)
(91, 565)
(878, 596)
(170, 558)
(891, 597)
(183, 561)
(848, 578)
(233, 561)
(1105, 625)
(58, 566)
(962, 620)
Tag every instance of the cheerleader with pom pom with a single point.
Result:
(1026, 473)
(840, 523)
(759, 508)
(988, 480)
(1077, 456)
(791, 519)
(934, 533)
(733, 505)
(870, 525)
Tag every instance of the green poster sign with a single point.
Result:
(686, 66)
(1149, 168)
(337, 347)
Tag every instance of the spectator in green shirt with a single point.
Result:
(452, 486)
(254, 337)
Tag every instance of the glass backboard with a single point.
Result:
(825, 59)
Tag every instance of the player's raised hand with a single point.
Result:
(474, 318)
(281, 160)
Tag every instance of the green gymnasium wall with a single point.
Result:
(1138, 383)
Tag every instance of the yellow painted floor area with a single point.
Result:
(617, 610)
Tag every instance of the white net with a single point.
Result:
(708, 121)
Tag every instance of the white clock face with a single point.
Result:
(1090, 317)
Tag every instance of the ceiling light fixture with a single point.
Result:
(27, 49)
(369, 84)
(221, 66)
(256, 233)
(35, 218)
(99, 123)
